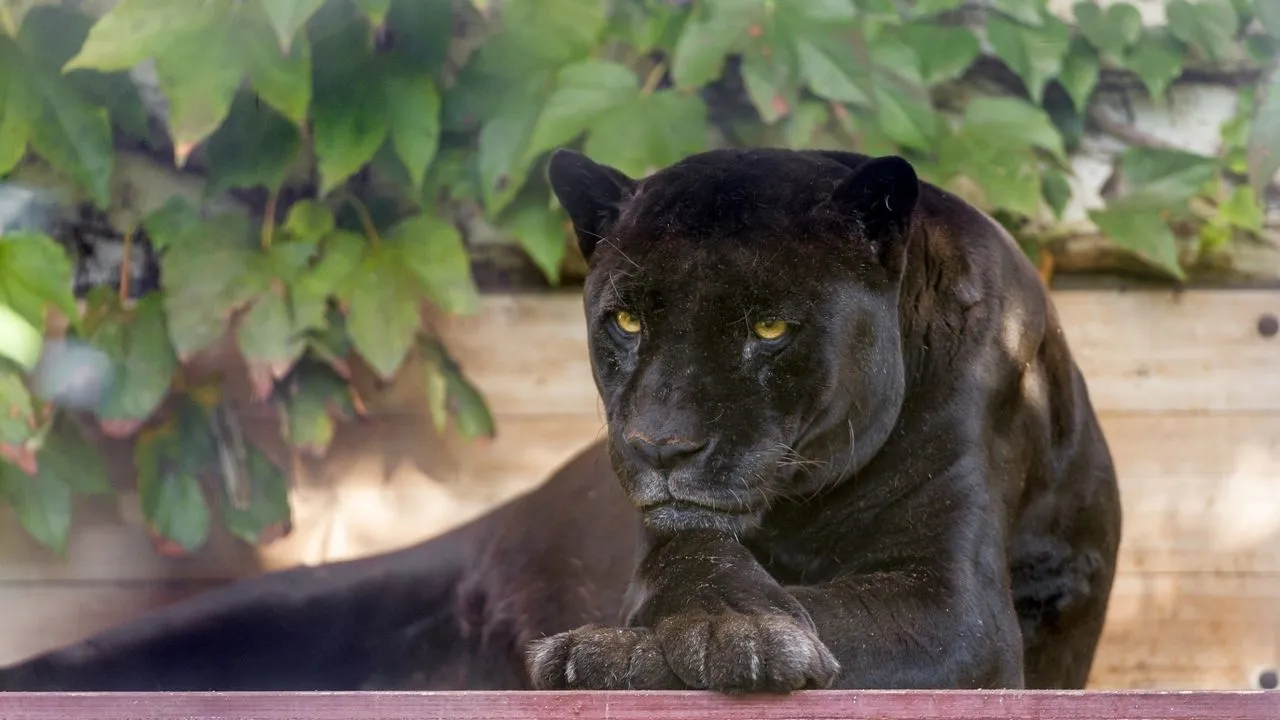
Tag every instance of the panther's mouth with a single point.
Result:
(677, 516)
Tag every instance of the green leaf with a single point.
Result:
(35, 274)
(943, 52)
(1142, 231)
(437, 386)
(288, 16)
(20, 341)
(1214, 234)
(283, 80)
(830, 67)
(316, 397)
(383, 317)
(308, 221)
(376, 10)
(1035, 54)
(1009, 123)
(554, 32)
(501, 157)
(718, 29)
(1264, 139)
(768, 85)
(134, 30)
(584, 91)
(1157, 59)
(198, 67)
(13, 127)
(413, 116)
(1008, 180)
(16, 414)
(289, 258)
(908, 119)
(1209, 26)
(423, 34)
(650, 132)
(51, 36)
(1111, 31)
(269, 340)
(168, 459)
(922, 8)
(433, 250)
(43, 508)
(68, 459)
(137, 340)
(448, 387)
(1268, 14)
(1242, 210)
(1056, 191)
(349, 107)
(1027, 12)
(73, 136)
(199, 75)
(537, 228)
(268, 515)
(166, 224)
(1164, 179)
(340, 255)
(254, 147)
(805, 128)
(208, 275)
(1079, 75)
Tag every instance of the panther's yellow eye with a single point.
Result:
(626, 322)
(770, 329)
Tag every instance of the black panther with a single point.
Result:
(848, 446)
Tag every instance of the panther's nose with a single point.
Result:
(664, 453)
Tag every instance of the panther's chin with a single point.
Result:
(676, 517)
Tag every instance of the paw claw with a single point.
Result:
(599, 658)
(732, 653)
(747, 653)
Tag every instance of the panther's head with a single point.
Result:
(742, 314)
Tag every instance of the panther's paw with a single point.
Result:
(741, 653)
(600, 658)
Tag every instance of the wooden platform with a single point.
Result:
(818, 705)
(1187, 387)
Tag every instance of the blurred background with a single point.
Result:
(282, 281)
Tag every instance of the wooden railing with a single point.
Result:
(830, 705)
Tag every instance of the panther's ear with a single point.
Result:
(882, 194)
(591, 193)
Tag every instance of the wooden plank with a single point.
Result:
(817, 705)
(1160, 351)
(1208, 501)
(1199, 491)
(1149, 351)
(1189, 631)
(40, 616)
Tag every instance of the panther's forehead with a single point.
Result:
(722, 212)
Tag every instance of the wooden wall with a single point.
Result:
(1188, 387)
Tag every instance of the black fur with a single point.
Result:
(908, 489)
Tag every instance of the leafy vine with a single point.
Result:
(352, 136)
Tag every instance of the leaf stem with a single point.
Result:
(125, 259)
(653, 78)
(269, 218)
(365, 219)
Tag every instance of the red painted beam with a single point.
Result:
(829, 705)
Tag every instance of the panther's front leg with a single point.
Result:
(707, 616)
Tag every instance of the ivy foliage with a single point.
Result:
(357, 132)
